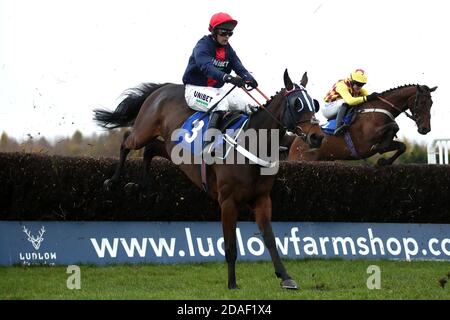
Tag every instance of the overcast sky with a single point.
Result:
(61, 59)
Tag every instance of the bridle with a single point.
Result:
(301, 133)
(297, 129)
(414, 110)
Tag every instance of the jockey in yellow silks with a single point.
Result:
(345, 93)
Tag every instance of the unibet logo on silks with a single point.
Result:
(221, 64)
(35, 256)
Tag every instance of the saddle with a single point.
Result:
(229, 119)
(330, 125)
(195, 126)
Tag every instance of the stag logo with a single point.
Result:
(35, 241)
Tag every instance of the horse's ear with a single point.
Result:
(304, 80)
(433, 89)
(287, 81)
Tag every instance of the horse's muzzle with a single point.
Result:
(423, 130)
(314, 140)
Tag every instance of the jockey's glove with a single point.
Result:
(372, 96)
(237, 81)
(252, 109)
(252, 83)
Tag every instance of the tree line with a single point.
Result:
(95, 145)
(108, 145)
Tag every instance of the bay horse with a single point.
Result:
(373, 128)
(155, 110)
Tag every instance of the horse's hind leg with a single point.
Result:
(263, 215)
(108, 184)
(154, 148)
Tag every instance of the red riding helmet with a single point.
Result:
(222, 20)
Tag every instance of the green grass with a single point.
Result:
(318, 279)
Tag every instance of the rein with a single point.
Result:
(298, 129)
(264, 108)
(398, 109)
(386, 112)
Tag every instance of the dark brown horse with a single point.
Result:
(374, 128)
(155, 111)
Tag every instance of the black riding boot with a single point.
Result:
(214, 121)
(340, 126)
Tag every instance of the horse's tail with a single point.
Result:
(127, 111)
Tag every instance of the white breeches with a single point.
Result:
(330, 109)
(202, 98)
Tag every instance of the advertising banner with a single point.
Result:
(56, 242)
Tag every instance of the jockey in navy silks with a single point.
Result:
(209, 69)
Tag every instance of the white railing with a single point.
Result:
(438, 151)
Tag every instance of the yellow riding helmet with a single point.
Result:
(359, 75)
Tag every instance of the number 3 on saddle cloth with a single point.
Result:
(192, 139)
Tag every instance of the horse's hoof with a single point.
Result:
(131, 188)
(289, 284)
(233, 287)
(108, 185)
(382, 162)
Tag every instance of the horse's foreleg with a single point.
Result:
(263, 215)
(400, 147)
(108, 184)
(385, 135)
(388, 133)
(229, 217)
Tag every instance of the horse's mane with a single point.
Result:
(266, 104)
(399, 87)
(271, 99)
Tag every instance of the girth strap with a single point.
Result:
(349, 142)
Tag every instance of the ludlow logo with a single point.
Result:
(36, 241)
